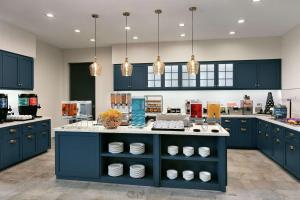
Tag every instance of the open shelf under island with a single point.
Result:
(81, 153)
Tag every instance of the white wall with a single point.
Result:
(17, 40)
(104, 82)
(290, 66)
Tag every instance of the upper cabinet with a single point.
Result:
(217, 75)
(17, 71)
(260, 74)
(1, 70)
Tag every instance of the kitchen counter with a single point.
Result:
(16, 123)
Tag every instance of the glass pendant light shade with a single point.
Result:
(193, 66)
(126, 68)
(95, 69)
(158, 67)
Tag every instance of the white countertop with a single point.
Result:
(16, 123)
(86, 126)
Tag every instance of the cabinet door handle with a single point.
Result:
(227, 121)
(278, 129)
(44, 133)
(12, 130)
(267, 135)
(243, 121)
(12, 141)
(20, 84)
(227, 129)
(259, 132)
(29, 127)
(243, 129)
(292, 148)
(291, 135)
(44, 124)
(277, 140)
(29, 137)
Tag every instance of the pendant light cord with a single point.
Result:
(192, 32)
(95, 39)
(126, 36)
(158, 33)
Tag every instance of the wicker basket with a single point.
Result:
(112, 123)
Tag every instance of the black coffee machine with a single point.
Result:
(3, 107)
(28, 104)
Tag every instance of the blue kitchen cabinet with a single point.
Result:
(267, 140)
(25, 73)
(260, 134)
(28, 144)
(138, 78)
(1, 70)
(278, 144)
(77, 155)
(292, 152)
(246, 75)
(10, 71)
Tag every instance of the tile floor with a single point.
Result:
(251, 176)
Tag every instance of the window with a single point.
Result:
(187, 79)
(171, 76)
(207, 75)
(225, 75)
(153, 80)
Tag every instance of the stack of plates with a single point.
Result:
(204, 151)
(115, 169)
(188, 151)
(137, 171)
(188, 175)
(173, 150)
(172, 174)
(205, 176)
(137, 148)
(116, 147)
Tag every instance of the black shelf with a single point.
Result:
(126, 155)
(191, 158)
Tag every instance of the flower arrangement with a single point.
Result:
(111, 118)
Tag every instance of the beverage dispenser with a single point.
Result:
(3, 107)
(138, 112)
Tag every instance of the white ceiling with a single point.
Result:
(213, 19)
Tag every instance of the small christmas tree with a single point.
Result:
(269, 103)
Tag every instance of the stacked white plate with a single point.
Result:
(173, 150)
(137, 148)
(188, 175)
(205, 176)
(115, 169)
(172, 174)
(204, 151)
(137, 171)
(116, 147)
(188, 151)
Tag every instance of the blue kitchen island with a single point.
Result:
(81, 153)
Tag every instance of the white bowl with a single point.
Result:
(173, 150)
(204, 151)
(205, 176)
(188, 151)
(172, 174)
(188, 175)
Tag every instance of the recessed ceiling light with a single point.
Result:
(92, 39)
(241, 21)
(232, 33)
(182, 35)
(50, 15)
(256, 1)
(77, 31)
(181, 24)
(135, 37)
(127, 28)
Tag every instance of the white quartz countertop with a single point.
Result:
(85, 126)
(16, 123)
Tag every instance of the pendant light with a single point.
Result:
(193, 65)
(95, 68)
(158, 65)
(126, 67)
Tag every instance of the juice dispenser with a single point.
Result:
(196, 110)
(213, 112)
(138, 112)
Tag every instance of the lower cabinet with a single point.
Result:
(21, 142)
(278, 144)
(292, 152)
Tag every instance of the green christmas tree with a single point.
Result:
(269, 103)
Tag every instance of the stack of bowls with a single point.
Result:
(173, 150)
(205, 176)
(172, 174)
(137, 148)
(115, 169)
(188, 175)
(204, 151)
(188, 151)
(137, 171)
(116, 147)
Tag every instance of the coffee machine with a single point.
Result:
(247, 105)
(3, 107)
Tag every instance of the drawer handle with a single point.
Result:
(259, 132)
(243, 121)
(267, 135)
(278, 129)
(291, 134)
(44, 133)
(44, 124)
(243, 129)
(12, 141)
(30, 127)
(12, 130)
(227, 129)
(29, 137)
(292, 148)
(227, 121)
(277, 140)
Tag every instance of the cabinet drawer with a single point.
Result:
(30, 127)
(291, 135)
(11, 133)
(44, 125)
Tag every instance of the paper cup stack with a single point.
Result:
(137, 148)
(204, 151)
(115, 169)
(137, 171)
(205, 176)
(188, 175)
(116, 147)
(188, 151)
(173, 150)
(172, 174)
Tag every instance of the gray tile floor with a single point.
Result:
(251, 176)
